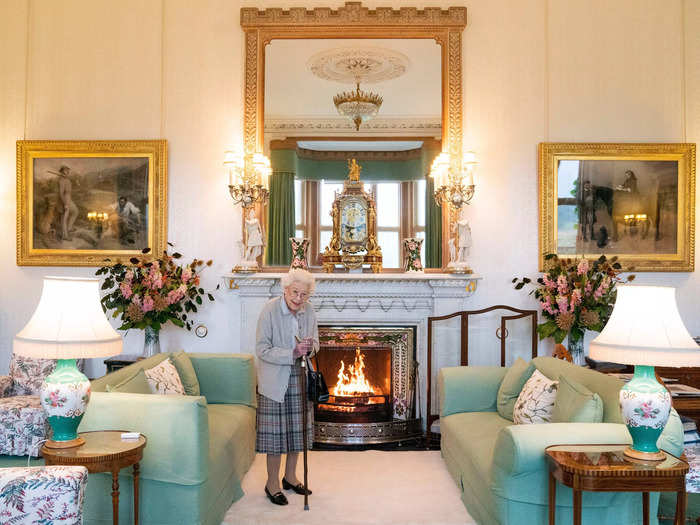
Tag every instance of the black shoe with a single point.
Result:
(299, 489)
(278, 498)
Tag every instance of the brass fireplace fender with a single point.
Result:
(353, 20)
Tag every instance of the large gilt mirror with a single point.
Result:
(325, 85)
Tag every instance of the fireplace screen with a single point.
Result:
(371, 377)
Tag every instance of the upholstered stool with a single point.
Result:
(23, 425)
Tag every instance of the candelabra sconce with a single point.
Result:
(248, 178)
(248, 184)
(636, 222)
(98, 219)
(454, 186)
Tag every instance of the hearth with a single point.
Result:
(371, 377)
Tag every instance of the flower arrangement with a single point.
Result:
(151, 291)
(575, 295)
(412, 248)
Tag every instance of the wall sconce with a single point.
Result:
(453, 184)
(248, 177)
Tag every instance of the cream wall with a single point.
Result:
(557, 70)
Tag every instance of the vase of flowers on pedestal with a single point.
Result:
(575, 295)
(152, 291)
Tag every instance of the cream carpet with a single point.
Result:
(369, 488)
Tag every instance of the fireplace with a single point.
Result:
(371, 377)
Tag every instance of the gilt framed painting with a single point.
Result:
(81, 202)
(635, 201)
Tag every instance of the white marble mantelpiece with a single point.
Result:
(377, 299)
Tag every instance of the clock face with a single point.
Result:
(353, 221)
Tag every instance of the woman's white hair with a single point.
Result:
(300, 276)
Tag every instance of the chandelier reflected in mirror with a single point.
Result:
(454, 185)
(359, 106)
(358, 65)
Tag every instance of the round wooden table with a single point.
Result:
(104, 451)
(605, 468)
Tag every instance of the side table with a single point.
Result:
(605, 468)
(104, 451)
(120, 361)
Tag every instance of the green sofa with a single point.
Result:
(199, 447)
(500, 467)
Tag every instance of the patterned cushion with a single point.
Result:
(164, 379)
(28, 373)
(23, 425)
(34, 495)
(536, 401)
(5, 386)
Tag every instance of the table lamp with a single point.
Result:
(645, 330)
(68, 324)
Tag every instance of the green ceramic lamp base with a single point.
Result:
(645, 405)
(64, 396)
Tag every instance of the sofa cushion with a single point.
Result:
(576, 404)
(134, 384)
(185, 370)
(536, 401)
(607, 387)
(511, 386)
(164, 379)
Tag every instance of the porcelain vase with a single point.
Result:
(151, 342)
(300, 249)
(645, 406)
(411, 250)
(64, 396)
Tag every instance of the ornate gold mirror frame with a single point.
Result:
(445, 26)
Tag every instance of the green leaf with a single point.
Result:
(514, 279)
(559, 335)
(546, 329)
(519, 286)
(177, 322)
(526, 280)
(199, 300)
(211, 297)
(177, 255)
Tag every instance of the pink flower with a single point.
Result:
(582, 267)
(147, 304)
(125, 288)
(549, 284)
(562, 285)
(575, 298)
(417, 264)
(548, 307)
(600, 291)
(588, 288)
(129, 276)
(186, 275)
(563, 304)
(155, 278)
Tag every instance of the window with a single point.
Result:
(392, 225)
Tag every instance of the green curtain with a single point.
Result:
(433, 228)
(280, 219)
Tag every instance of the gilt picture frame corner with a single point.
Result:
(80, 202)
(635, 201)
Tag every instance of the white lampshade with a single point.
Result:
(646, 329)
(68, 323)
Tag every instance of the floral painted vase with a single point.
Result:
(411, 249)
(151, 341)
(64, 396)
(300, 248)
(645, 406)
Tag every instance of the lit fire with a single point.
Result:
(352, 381)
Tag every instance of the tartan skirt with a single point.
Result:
(279, 425)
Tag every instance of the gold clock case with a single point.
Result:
(344, 250)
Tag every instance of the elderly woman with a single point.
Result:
(287, 331)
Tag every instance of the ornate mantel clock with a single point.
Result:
(354, 241)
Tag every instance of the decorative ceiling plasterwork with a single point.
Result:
(414, 126)
(367, 65)
(310, 154)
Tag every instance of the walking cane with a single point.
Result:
(303, 433)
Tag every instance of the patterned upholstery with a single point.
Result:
(23, 422)
(42, 495)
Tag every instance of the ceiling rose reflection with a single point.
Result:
(358, 65)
